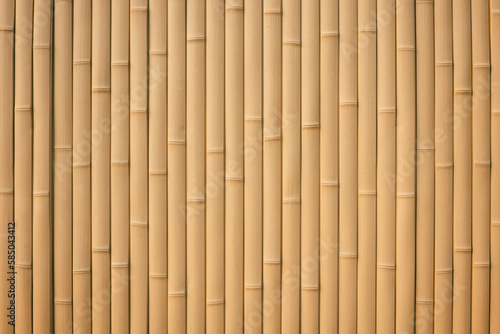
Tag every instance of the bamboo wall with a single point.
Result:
(268, 166)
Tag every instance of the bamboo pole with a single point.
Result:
(63, 140)
(176, 160)
(215, 166)
(157, 166)
(120, 166)
(7, 18)
(81, 167)
(234, 165)
(367, 165)
(348, 162)
(444, 167)
(481, 167)
(195, 165)
(42, 176)
(101, 147)
(23, 161)
(386, 165)
(272, 199)
(291, 166)
(462, 149)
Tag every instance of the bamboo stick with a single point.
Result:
(7, 18)
(101, 147)
(272, 199)
(23, 162)
(290, 318)
(81, 167)
(63, 140)
(42, 176)
(215, 166)
(120, 166)
(176, 160)
(348, 143)
(234, 166)
(481, 167)
(444, 167)
(367, 165)
(462, 149)
(157, 167)
(386, 165)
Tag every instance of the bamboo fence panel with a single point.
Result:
(265, 166)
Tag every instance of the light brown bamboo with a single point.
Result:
(386, 165)
(42, 176)
(234, 166)
(290, 318)
(272, 199)
(63, 140)
(348, 162)
(405, 167)
(82, 313)
(462, 149)
(443, 137)
(481, 167)
(157, 166)
(7, 18)
(176, 161)
(23, 160)
(120, 166)
(101, 147)
(215, 166)
(367, 165)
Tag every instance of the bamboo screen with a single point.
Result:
(293, 166)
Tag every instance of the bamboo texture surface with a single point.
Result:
(258, 166)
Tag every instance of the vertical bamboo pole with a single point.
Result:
(462, 149)
(81, 166)
(176, 160)
(481, 167)
(195, 165)
(101, 147)
(272, 199)
(63, 140)
(23, 162)
(42, 147)
(291, 167)
(444, 167)
(234, 166)
(120, 166)
(215, 166)
(6, 151)
(348, 162)
(386, 165)
(367, 164)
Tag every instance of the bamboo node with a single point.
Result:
(100, 89)
(405, 195)
(482, 163)
(177, 141)
(62, 302)
(495, 222)
(310, 125)
(463, 249)
(119, 63)
(7, 28)
(138, 223)
(327, 183)
(41, 46)
(386, 266)
(348, 103)
(272, 12)
(119, 265)
(179, 293)
(119, 162)
(195, 38)
(406, 48)
(253, 118)
(158, 172)
(234, 7)
(424, 301)
(81, 61)
(445, 165)
(481, 264)
(23, 265)
(423, 2)
(215, 150)
(6, 191)
(330, 34)
(292, 43)
(444, 270)
(215, 301)
(81, 271)
(386, 110)
(272, 261)
(463, 91)
(100, 249)
(291, 200)
(195, 200)
(234, 177)
(310, 287)
(270, 138)
(253, 286)
(482, 65)
(367, 193)
(495, 11)
(368, 30)
(495, 111)
(156, 275)
(62, 148)
(444, 63)
(138, 110)
(348, 255)
(41, 194)
(138, 9)
(22, 109)
(158, 52)
(425, 148)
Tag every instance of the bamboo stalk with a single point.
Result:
(367, 165)
(481, 167)
(462, 149)
(348, 143)
(42, 176)
(120, 166)
(291, 166)
(81, 167)
(386, 165)
(176, 160)
(101, 147)
(157, 167)
(7, 18)
(23, 162)
(272, 199)
(444, 167)
(215, 166)
(234, 165)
